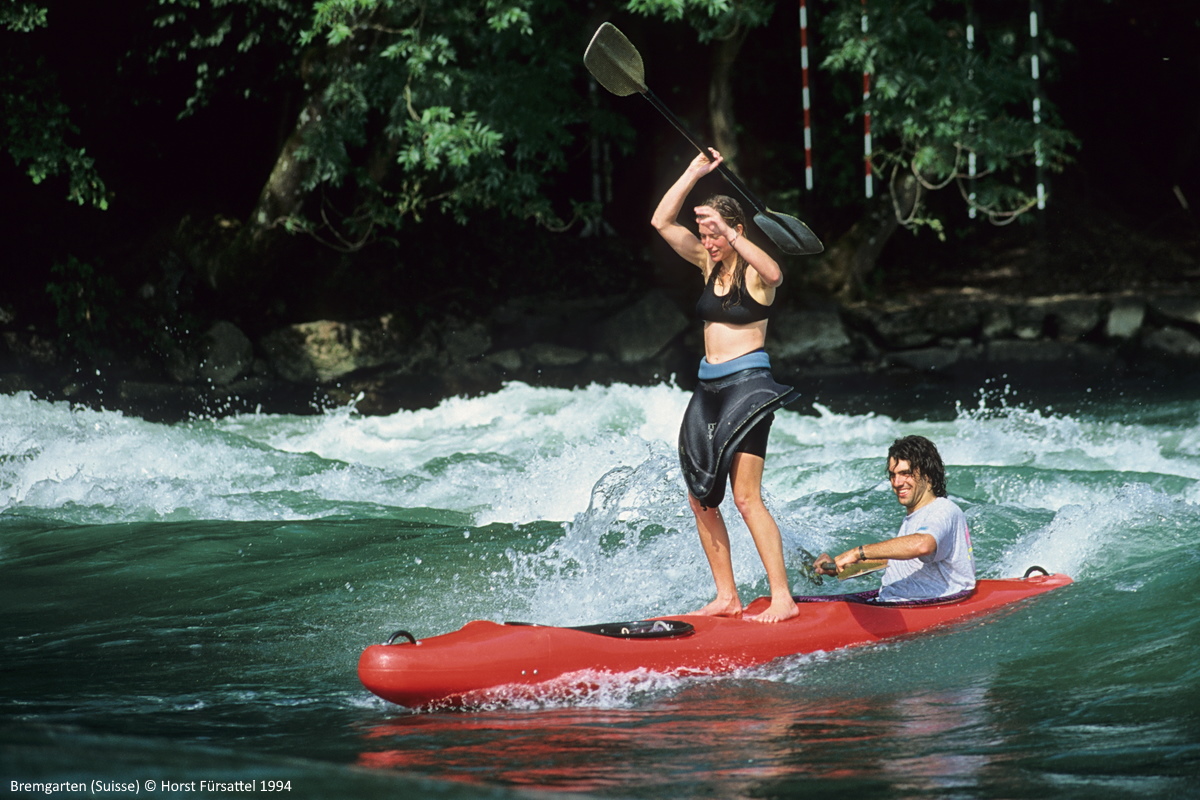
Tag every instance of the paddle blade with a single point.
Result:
(861, 568)
(789, 234)
(615, 62)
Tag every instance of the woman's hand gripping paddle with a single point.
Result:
(617, 64)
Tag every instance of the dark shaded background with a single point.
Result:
(1117, 217)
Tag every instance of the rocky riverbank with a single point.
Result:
(384, 364)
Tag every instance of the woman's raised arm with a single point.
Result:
(666, 215)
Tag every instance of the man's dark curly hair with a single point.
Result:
(922, 457)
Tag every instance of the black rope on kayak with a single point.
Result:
(392, 639)
(642, 629)
(1036, 568)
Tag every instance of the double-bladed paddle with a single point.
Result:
(617, 64)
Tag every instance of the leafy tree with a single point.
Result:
(240, 47)
(420, 105)
(935, 101)
(38, 132)
(938, 99)
(403, 109)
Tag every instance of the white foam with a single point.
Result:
(525, 454)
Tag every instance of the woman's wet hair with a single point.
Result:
(923, 458)
(729, 209)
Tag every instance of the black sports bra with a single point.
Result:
(742, 308)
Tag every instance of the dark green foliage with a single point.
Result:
(443, 106)
(434, 113)
(935, 99)
(22, 17)
(38, 132)
(711, 19)
(241, 47)
(85, 301)
(449, 107)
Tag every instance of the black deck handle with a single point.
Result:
(392, 639)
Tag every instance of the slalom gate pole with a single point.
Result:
(1034, 68)
(869, 184)
(808, 161)
(971, 165)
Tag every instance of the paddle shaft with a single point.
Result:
(868, 567)
(679, 126)
(616, 63)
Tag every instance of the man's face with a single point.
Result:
(911, 487)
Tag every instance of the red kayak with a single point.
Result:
(483, 660)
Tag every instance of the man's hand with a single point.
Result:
(825, 565)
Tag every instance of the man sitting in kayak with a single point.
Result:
(931, 556)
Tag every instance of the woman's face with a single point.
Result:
(718, 247)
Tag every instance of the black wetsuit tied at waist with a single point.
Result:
(722, 411)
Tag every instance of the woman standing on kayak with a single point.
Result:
(727, 423)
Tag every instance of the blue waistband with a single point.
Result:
(755, 360)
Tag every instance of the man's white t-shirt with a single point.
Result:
(949, 570)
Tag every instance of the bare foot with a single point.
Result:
(721, 607)
(778, 611)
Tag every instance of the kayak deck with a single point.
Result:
(471, 663)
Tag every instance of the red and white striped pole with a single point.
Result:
(972, 167)
(1037, 102)
(870, 188)
(808, 164)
